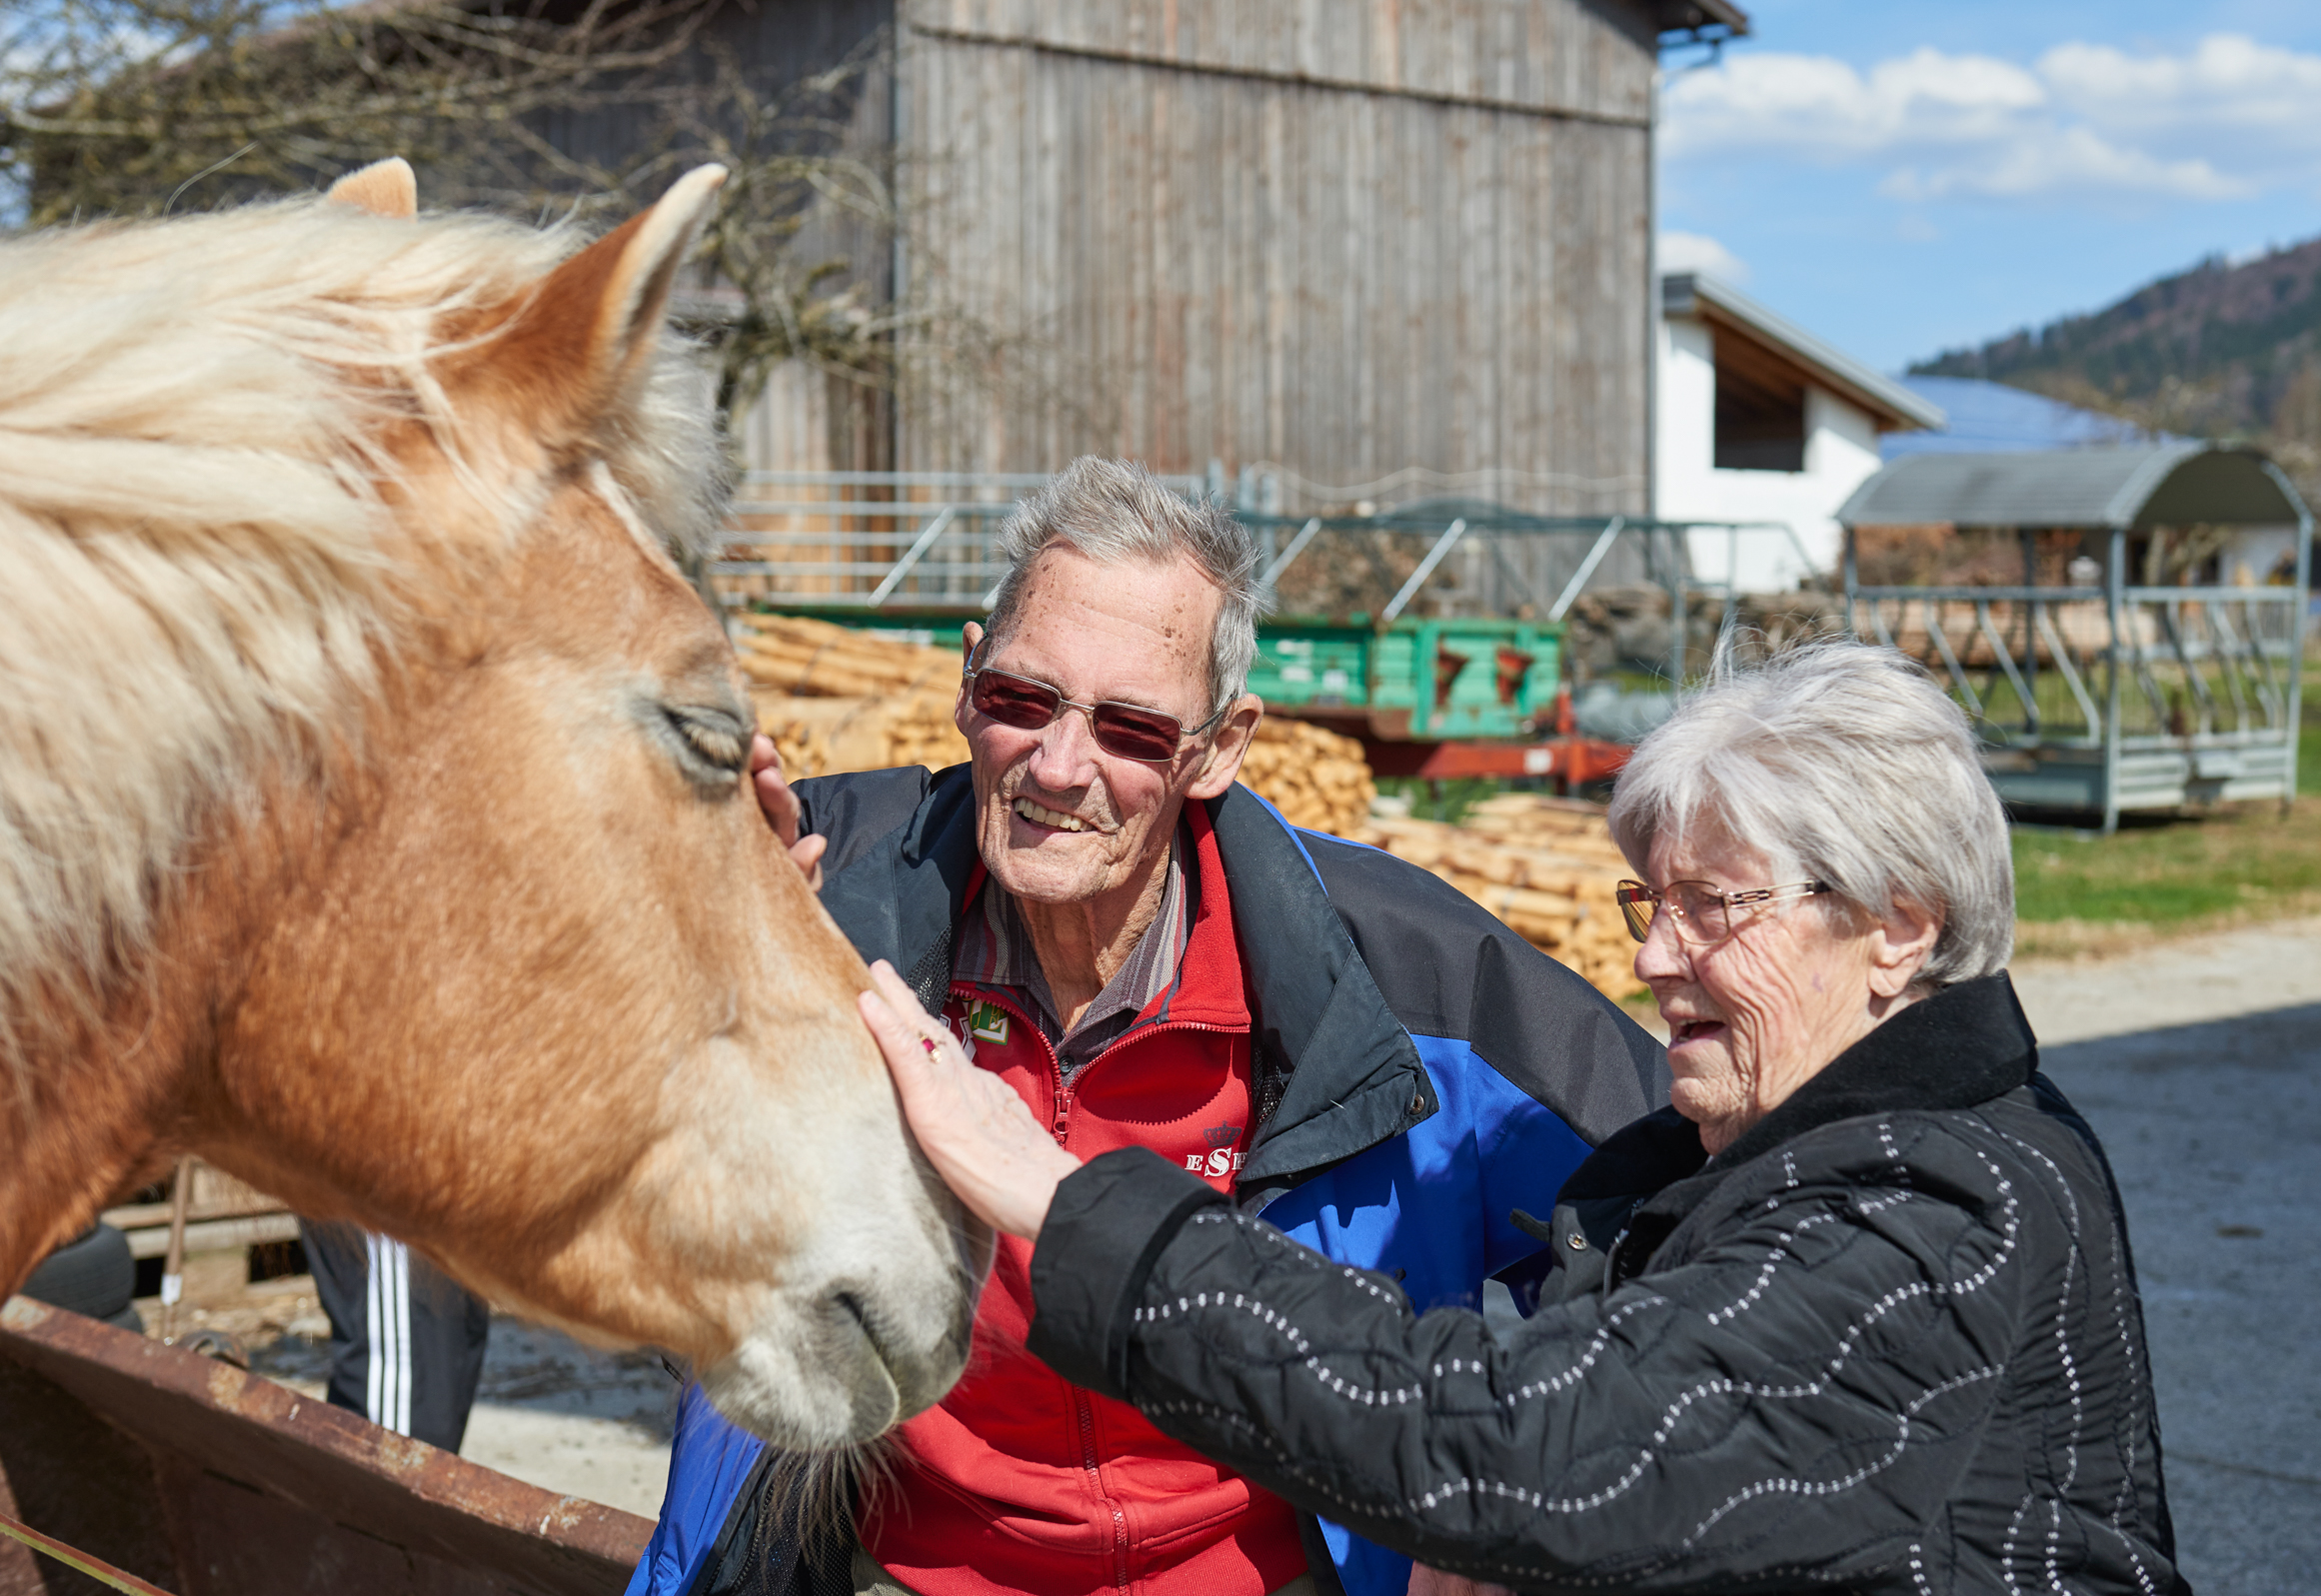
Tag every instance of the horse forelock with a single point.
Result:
(213, 541)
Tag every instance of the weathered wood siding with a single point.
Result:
(1538, 55)
(1337, 237)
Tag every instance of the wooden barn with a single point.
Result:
(1342, 243)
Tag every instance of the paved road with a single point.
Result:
(2200, 1067)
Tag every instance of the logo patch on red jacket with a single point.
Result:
(988, 1022)
(1224, 1158)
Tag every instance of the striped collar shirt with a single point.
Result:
(995, 949)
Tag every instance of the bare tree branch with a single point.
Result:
(528, 107)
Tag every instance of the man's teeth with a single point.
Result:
(1047, 816)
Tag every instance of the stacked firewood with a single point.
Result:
(1546, 867)
(821, 736)
(1316, 778)
(821, 659)
(833, 699)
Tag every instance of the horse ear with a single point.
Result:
(593, 323)
(384, 188)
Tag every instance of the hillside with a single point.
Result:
(2218, 351)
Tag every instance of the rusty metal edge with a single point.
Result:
(73, 1557)
(52, 1342)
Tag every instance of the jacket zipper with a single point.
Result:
(1060, 1127)
(1085, 1409)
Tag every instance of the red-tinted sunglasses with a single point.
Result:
(1125, 730)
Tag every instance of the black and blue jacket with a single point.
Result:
(1420, 1072)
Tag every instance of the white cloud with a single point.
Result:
(1697, 252)
(2084, 120)
(2064, 160)
(1821, 105)
(2227, 81)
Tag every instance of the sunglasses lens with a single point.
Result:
(1012, 701)
(1137, 734)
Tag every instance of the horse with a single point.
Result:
(375, 819)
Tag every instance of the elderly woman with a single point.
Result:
(1856, 1312)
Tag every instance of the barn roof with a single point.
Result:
(2156, 484)
(1675, 16)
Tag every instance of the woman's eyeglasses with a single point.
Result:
(1703, 914)
(1125, 730)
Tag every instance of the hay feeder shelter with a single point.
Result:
(2117, 672)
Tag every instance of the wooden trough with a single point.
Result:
(205, 1480)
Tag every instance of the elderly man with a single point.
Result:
(1151, 957)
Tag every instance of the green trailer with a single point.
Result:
(1419, 680)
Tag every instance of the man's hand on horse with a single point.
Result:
(781, 807)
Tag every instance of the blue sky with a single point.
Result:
(1904, 179)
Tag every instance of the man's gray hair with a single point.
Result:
(1843, 763)
(1113, 510)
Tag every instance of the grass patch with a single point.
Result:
(2250, 863)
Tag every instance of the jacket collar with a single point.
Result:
(1964, 1045)
(1205, 987)
(900, 897)
(1336, 1072)
(1207, 990)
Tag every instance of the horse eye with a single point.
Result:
(711, 738)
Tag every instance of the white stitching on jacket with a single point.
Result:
(2008, 1225)
(1371, 1395)
(1781, 1249)
(1798, 1487)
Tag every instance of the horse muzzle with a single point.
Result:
(848, 1362)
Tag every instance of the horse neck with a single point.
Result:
(109, 1088)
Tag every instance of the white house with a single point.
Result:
(1759, 421)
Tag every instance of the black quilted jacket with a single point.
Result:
(1889, 1340)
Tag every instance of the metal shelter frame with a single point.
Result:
(2110, 696)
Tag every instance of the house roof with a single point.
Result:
(2174, 483)
(1891, 406)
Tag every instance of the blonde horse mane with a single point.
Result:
(201, 574)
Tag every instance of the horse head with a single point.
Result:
(374, 813)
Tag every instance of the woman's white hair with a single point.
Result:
(1843, 761)
(1115, 511)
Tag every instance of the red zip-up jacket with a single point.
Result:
(1019, 1481)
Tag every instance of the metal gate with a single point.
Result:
(2107, 697)
(913, 544)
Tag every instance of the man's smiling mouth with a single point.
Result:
(1041, 814)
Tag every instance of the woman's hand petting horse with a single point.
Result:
(977, 1132)
(973, 1128)
(781, 807)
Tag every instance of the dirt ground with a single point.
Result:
(573, 1419)
(2199, 1062)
